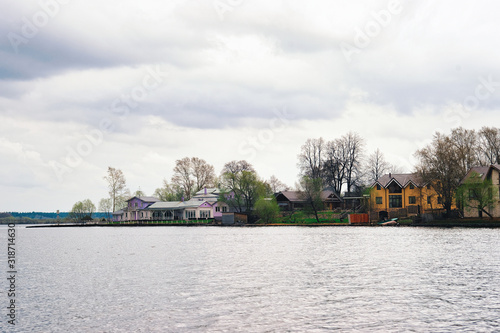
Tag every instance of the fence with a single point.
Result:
(359, 219)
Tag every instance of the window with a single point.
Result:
(440, 200)
(395, 201)
(378, 200)
(472, 194)
(142, 214)
(190, 214)
(224, 209)
(428, 186)
(395, 188)
(378, 187)
(217, 209)
(412, 200)
(429, 200)
(204, 214)
(412, 186)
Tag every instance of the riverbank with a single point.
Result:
(452, 223)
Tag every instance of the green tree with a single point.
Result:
(477, 193)
(310, 191)
(168, 192)
(82, 210)
(77, 213)
(267, 209)
(241, 186)
(105, 207)
(139, 193)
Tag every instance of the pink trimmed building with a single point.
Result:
(204, 204)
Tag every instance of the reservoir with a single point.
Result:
(265, 279)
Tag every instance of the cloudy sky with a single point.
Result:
(139, 84)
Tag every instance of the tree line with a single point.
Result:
(339, 164)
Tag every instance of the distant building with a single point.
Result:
(393, 192)
(204, 204)
(291, 200)
(491, 173)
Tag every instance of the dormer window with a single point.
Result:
(395, 188)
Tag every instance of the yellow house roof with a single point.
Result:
(402, 179)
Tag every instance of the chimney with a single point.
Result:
(182, 198)
(205, 191)
(390, 175)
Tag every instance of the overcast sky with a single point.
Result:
(137, 85)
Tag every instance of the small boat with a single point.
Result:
(389, 222)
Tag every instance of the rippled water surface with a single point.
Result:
(285, 279)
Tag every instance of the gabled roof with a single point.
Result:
(145, 199)
(328, 195)
(210, 190)
(402, 179)
(294, 196)
(483, 171)
(177, 204)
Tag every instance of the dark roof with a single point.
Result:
(402, 179)
(146, 199)
(294, 196)
(483, 171)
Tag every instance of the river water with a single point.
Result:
(282, 279)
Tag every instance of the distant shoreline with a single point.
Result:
(460, 223)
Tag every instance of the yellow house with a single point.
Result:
(394, 192)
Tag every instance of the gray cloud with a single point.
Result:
(225, 76)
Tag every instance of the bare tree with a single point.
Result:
(440, 166)
(334, 165)
(489, 138)
(237, 166)
(395, 169)
(276, 185)
(311, 158)
(182, 176)
(466, 147)
(203, 173)
(377, 166)
(310, 191)
(353, 145)
(192, 174)
(116, 185)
